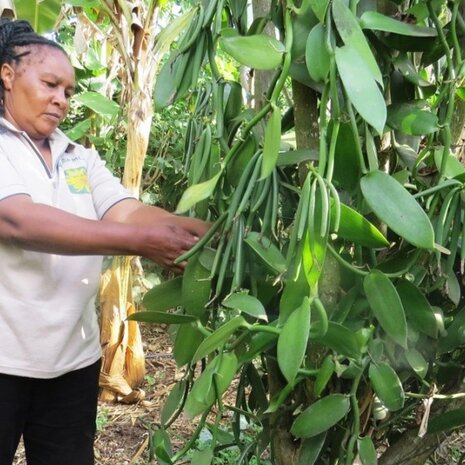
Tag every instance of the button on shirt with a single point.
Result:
(48, 322)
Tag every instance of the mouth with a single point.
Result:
(53, 116)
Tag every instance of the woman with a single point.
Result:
(60, 211)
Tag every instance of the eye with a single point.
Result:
(50, 84)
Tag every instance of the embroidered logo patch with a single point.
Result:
(76, 178)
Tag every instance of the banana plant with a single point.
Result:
(330, 282)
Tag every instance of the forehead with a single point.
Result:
(44, 58)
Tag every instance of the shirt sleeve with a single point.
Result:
(106, 189)
(10, 180)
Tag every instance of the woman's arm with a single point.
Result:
(42, 228)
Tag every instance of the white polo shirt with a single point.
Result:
(48, 322)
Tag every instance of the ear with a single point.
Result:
(7, 74)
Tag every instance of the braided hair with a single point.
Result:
(16, 37)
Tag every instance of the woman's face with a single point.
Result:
(37, 91)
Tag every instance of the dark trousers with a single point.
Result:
(56, 417)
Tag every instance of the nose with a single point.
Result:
(60, 99)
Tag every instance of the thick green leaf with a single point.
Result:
(355, 228)
(218, 338)
(165, 88)
(341, 339)
(310, 449)
(162, 446)
(295, 157)
(162, 318)
(351, 34)
(202, 457)
(79, 130)
(324, 375)
(379, 22)
(454, 167)
(367, 451)
(316, 54)
(418, 363)
(246, 304)
(386, 306)
(271, 143)
(258, 51)
(292, 342)
(320, 416)
(292, 296)
(387, 386)
(319, 7)
(197, 192)
(417, 308)
(97, 103)
(267, 251)
(188, 338)
(211, 384)
(164, 296)
(395, 206)
(412, 118)
(447, 421)
(173, 402)
(455, 335)
(361, 87)
(196, 286)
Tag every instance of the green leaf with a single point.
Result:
(197, 192)
(97, 103)
(196, 285)
(188, 338)
(386, 306)
(379, 22)
(292, 296)
(412, 118)
(202, 457)
(351, 34)
(418, 363)
(394, 205)
(361, 88)
(324, 375)
(79, 130)
(267, 251)
(258, 51)
(173, 402)
(355, 228)
(164, 296)
(292, 342)
(341, 339)
(162, 446)
(320, 416)
(367, 451)
(165, 88)
(211, 384)
(417, 308)
(162, 318)
(218, 337)
(319, 7)
(310, 449)
(272, 142)
(453, 166)
(455, 336)
(295, 157)
(246, 304)
(42, 15)
(387, 386)
(169, 34)
(316, 54)
(447, 421)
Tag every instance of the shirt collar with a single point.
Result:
(58, 140)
